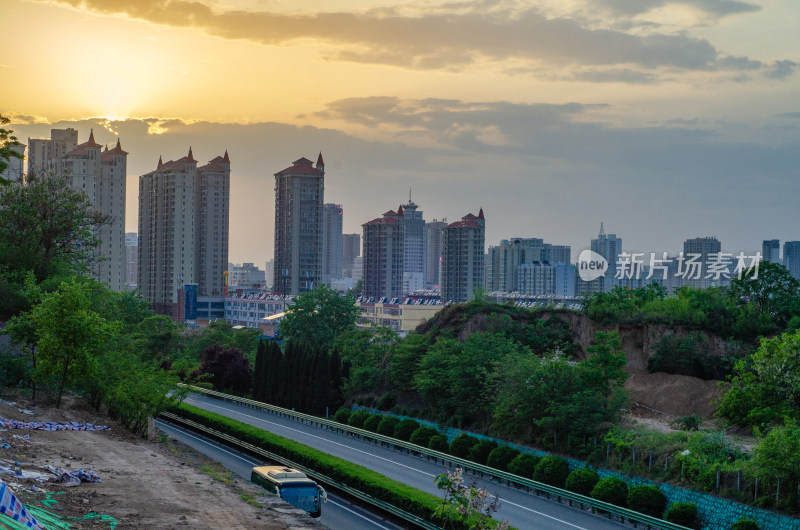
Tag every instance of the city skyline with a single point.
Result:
(665, 120)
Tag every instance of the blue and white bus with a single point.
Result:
(291, 485)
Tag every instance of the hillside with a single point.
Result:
(673, 394)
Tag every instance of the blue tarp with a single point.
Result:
(11, 507)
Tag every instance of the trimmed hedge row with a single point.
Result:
(552, 469)
(396, 493)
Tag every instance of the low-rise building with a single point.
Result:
(398, 314)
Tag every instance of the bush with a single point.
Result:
(422, 436)
(371, 423)
(387, 402)
(439, 443)
(405, 429)
(683, 513)
(500, 457)
(745, 524)
(358, 418)
(479, 452)
(687, 356)
(688, 423)
(387, 426)
(582, 481)
(461, 445)
(552, 470)
(523, 465)
(342, 415)
(611, 490)
(13, 370)
(648, 500)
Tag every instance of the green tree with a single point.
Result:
(550, 395)
(766, 388)
(7, 152)
(157, 337)
(21, 329)
(771, 291)
(777, 453)
(69, 335)
(45, 224)
(319, 316)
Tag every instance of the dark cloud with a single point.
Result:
(716, 8)
(615, 75)
(450, 40)
(789, 115)
(781, 69)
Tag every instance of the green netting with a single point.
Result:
(53, 521)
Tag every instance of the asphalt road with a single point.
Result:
(337, 513)
(521, 509)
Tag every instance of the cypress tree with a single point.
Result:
(336, 398)
(322, 382)
(270, 373)
(282, 377)
(258, 372)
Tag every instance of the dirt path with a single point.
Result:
(145, 484)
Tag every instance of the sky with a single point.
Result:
(663, 119)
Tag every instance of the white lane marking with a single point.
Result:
(240, 457)
(319, 438)
(541, 513)
(358, 514)
(380, 457)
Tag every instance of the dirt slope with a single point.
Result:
(145, 484)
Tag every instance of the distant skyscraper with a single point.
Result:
(610, 247)
(506, 259)
(557, 254)
(384, 252)
(358, 268)
(351, 249)
(14, 170)
(245, 275)
(433, 252)
(791, 257)
(463, 258)
(545, 279)
(299, 195)
(43, 152)
(414, 259)
(101, 174)
(183, 230)
(131, 259)
(706, 248)
(269, 273)
(331, 242)
(771, 250)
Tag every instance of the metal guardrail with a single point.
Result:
(385, 506)
(475, 468)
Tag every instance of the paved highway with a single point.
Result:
(522, 510)
(337, 513)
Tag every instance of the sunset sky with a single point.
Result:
(665, 119)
